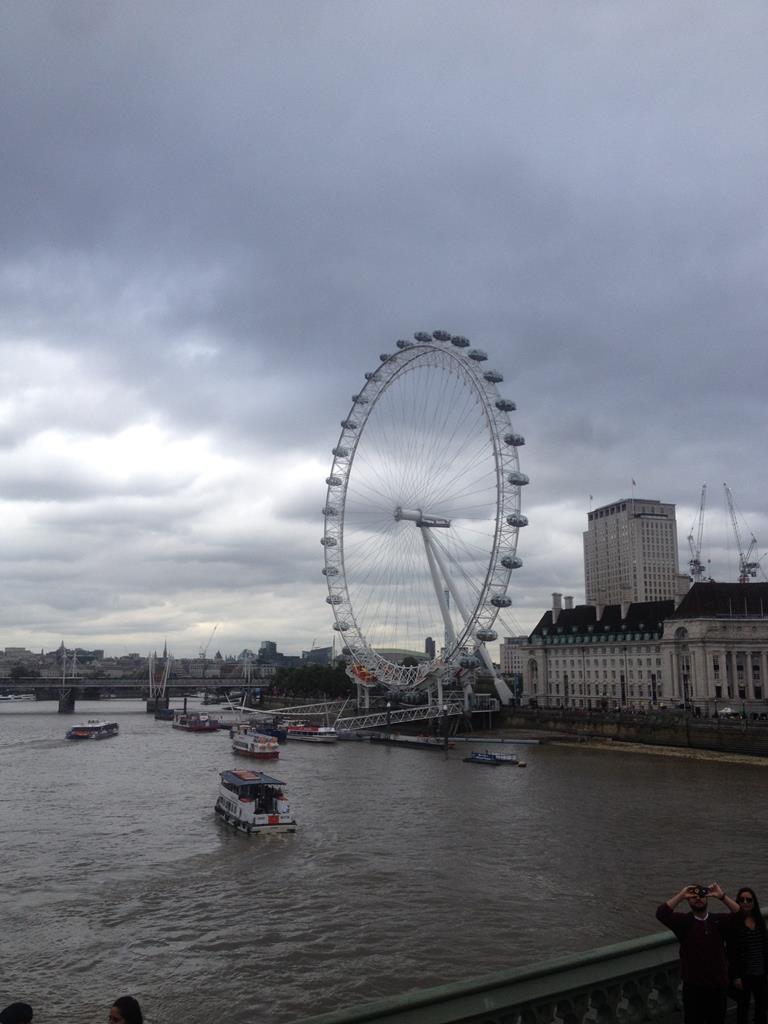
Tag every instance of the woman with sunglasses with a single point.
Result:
(748, 958)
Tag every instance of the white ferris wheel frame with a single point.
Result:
(451, 352)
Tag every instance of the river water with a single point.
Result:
(409, 868)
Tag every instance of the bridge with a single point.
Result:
(157, 696)
(333, 712)
(627, 983)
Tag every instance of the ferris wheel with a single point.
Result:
(422, 512)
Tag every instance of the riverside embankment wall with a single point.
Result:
(668, 729)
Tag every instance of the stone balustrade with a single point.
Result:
(627, 983)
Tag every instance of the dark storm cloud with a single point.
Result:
(215, 218)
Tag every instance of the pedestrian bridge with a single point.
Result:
(333, 712)
(628, 983)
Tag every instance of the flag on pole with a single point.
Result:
(634, 484)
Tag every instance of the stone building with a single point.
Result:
(710, 647)
(511, 655)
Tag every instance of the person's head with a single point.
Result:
(698, 896)
(125, 1010)
(748, 902)
(16, 1013)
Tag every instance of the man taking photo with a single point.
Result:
(702, 950)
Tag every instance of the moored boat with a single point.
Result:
(256, 745)
(490, 757)
(269, 728)
(17, 696)
(253, 802)
(194, 721)
(399, 739)
(93, 729)
(312, 733)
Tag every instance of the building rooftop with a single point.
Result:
(640, 615)
(732, 600)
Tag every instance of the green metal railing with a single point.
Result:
(626, 983)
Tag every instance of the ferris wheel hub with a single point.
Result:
(423, 519)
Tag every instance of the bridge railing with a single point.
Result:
(627, 983)
(377, 719)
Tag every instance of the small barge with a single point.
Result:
(399, 739)
(489, 757)
(194, 721)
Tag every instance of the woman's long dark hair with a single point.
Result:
(756, 912)
(129, 1009)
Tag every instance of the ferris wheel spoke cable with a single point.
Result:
(465, 462)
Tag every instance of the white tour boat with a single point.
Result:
(312, 733)
(255, 744)
(17, 696)
(253, 802)
(93, 729)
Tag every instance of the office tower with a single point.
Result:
(630, 553)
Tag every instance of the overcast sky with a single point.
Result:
(215, 216)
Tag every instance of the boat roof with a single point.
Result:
(92, 723)
(246, 777)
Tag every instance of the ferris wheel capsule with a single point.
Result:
(511, 562)
(328, 542)
(514, 440)
(334, 481)
(486, 635)
(441, 335)
(402, 343)
(340, 451)
(517, 478)
(460, 341)
(517, 519)
(493, 377)
(506, 405)
(423, 336)
(477, 355)
(501, 601)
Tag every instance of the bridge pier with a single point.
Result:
(155, 703)
(66, 702)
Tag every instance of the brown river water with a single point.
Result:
(410, 868)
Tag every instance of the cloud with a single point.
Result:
(214, 220)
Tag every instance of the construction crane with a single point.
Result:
(695, 563)
(748, 564)
(204, 650)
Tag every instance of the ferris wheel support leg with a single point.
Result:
(450, 635)
(504, 692)
(449, 582)
(363, 696)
